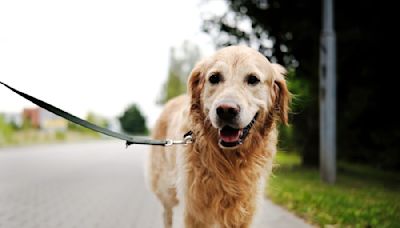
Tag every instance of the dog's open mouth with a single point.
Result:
(231, 137)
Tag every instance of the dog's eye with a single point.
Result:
(252, 80)
(214, 78)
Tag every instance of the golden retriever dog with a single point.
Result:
(234, 101)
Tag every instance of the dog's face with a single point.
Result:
(234, 88)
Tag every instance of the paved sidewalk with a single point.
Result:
(277, 217)
(87, 185)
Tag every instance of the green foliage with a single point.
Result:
(173, 87)
(182, 60)
(6, 131)
(300, 90)
(11, 134)
(362, 197)
(284, 24)
(77, 128)
(92, 118)
(81, 130)
(15, 126)
(96, 119)
(60, 136)
(301, 96)
(26, 123)
(74, 127)
(132, 120)
(365, 130)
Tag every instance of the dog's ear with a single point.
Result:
(196, 81)
(195, 84)
(281, 96)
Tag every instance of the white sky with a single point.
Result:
(118, 50)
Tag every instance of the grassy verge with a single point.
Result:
(362, 196)
(31, 137)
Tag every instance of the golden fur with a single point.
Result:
(219, 187)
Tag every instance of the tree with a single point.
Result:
(182, 60)
(6, 131)
(288, 32)
(277, 29)
(132, 120)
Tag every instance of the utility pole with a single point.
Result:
(327, 95)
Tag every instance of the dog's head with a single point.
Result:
(236, 89)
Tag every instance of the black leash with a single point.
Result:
(129, 140)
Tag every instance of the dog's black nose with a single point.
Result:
(228, 111)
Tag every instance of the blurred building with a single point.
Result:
(31, 115)
(41, 118)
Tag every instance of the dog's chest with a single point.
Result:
(217, 198)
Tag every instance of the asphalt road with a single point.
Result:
(87, 185)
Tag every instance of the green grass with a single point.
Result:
(32, 137)
(362, 196)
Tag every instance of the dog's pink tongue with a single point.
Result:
(228, 134)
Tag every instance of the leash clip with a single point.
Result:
(186, 140)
